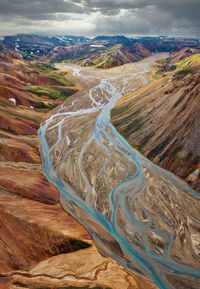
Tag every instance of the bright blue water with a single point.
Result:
(137, 252)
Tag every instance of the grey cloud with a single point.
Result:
(30, 9)
(149, 20)
(113, 7)
(188, 9)
(106, 17)
(46, 7)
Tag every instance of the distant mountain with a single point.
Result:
(100, 52)
(165, 44)
(111, 38)
(32, 47)
(162, 119)
(54, 40)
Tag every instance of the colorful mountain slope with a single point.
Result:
(100, 52)
(162, 119)
(23, 105)
(21, 175)
(100, 55)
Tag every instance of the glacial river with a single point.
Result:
(142, 216)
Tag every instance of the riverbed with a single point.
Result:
(142, 216)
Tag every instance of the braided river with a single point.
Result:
(144, 217)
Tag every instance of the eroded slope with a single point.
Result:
(161, 119)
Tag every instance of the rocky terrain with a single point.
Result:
(32, 47)
(41, 246)
(100, 52)
(99, 55)
(161, 119)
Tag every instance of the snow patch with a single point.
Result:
(61, 38)
(16, 46)
(97, 45)
(13, 100)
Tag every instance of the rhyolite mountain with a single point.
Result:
(162, 119)
(99, 55)
(100, 52)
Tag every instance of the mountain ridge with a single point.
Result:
(161, 119)
(100, 51)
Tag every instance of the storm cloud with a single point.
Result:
(92, 17)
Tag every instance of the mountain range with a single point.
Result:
(100, 52)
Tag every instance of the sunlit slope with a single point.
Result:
(162, 120)
(98, 55)
(28, 91)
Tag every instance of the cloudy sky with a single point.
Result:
(101, 17)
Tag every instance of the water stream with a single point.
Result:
(137, 213)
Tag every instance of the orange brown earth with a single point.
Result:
(162, 119)
(40, 245)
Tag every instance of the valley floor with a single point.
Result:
(139, 214)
